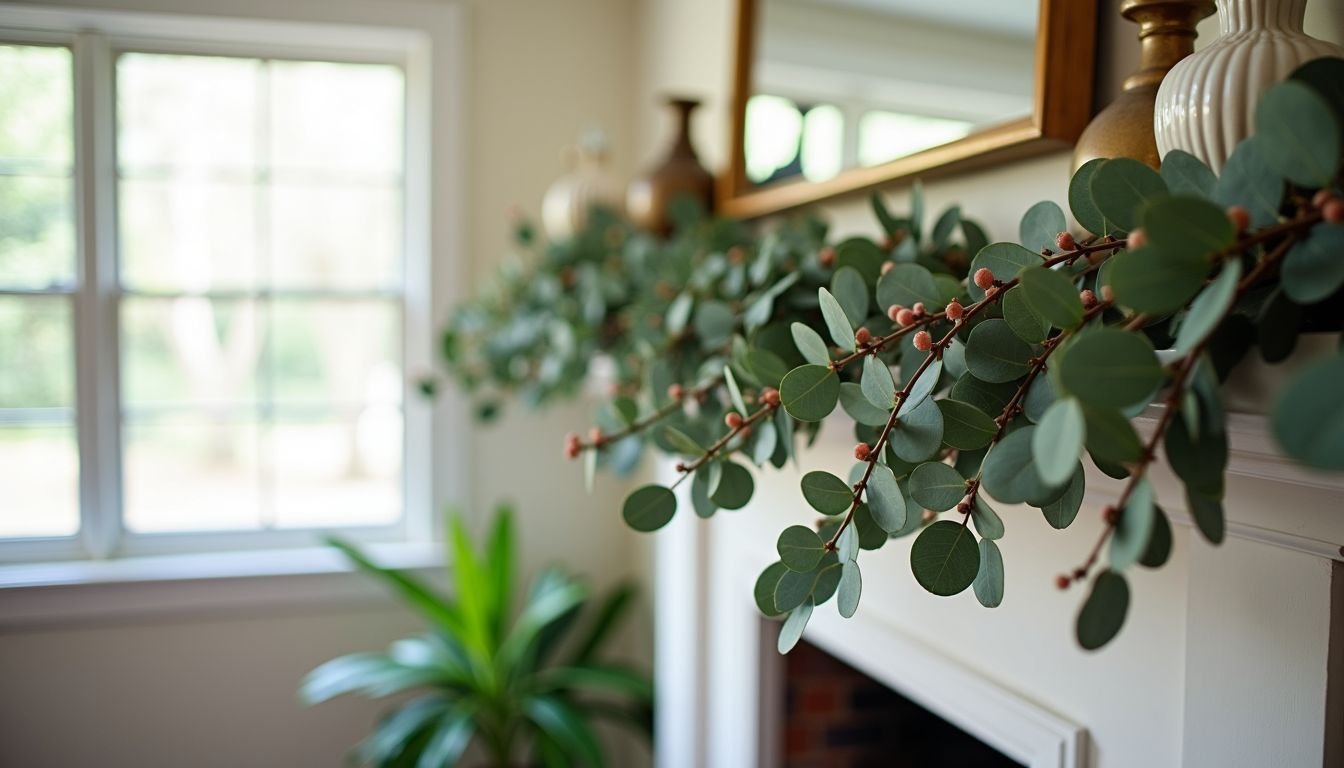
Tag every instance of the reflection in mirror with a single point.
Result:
(837, 84)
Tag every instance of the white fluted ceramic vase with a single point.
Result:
(1206, 104)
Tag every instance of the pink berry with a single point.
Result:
(905, 317)
(918, 309)
(1240, 217)
(733, 419)
(928, 515)
(744, 432)
(984, 278)
(1065, 242)
(1321, 197)
(1333, 211)
(887, 266)
(572, 446)
(771, 396)
(1107, 293)
(595, 436)
(1111, 515)
(991, 291)
(1088, 298)
(923, 341)
(1062, 581)
(862, 451)
(676, 392)
(827, 256)
(954, 310)
(863, 336)
(1137, 239)
(894, 311)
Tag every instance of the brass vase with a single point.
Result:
(1125, 127)
(679, 175)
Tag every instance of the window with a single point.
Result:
(204, 297)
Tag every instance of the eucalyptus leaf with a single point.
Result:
(987, 522)
(1058, 441)
(1110, 369)
(1080, 198)
(906, 285)
(714, 323)
(1209, 308)
(810, 392)
(1104, 612)
(800, 548)
(1051, 296)
(764, 590)
(1120, 187)
(1190, 226)
(792, 631)
(1004, 261)
(919, 434)
(1022, 318)
(886, 503)
(851, 291)
(734, 393)
(1299, 132)
(965, 427)
(995, 354)
(1134, 529)
(1199, 460)
(827, 493)
(735, 488)
(1110, 437)
(1159, 542)
(936, 486)
(1149, 279)
(649, 508)
(945, 558)
(853, 401)
(810, 345)
(1009, 473)
(1207, 513)
(837, 322)
(988, 582)
(1308, 419)
(1040, 225)
(1186, 174)
(1040, 396)
(877, 384)
(922, 388)
(1249, 180)
(1313, 270)
(851, 586)
(1061, 512)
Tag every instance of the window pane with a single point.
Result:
(332, 472)
(188, 233)
(823, 152)
(183, 115)
(190, 351)
(335, 352)
(336, 236)
(316, 127)
(37, 356)
(886, 136)
(192, 473)
(39, 466)
(36, 120)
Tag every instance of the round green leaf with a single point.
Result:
(937, 486)
(922, 388)
(1154, 280)
(827, 493)
(851, 291)
(649, 508)
(734, 392)
(810, 345)
(1040, 225)
(918, 434)
(1186, 174)
(1130, 538)
(945, 558)
(1009, 474)
(1299, 132)
(995, 354)
(828, 578)
(1313, 270)
(764, 591)
(1062, 511)
(1058, 441)
(793, 588)
(871, 535)
(1080, 198)
(1248, 179)
(800, 548)
(1052, 296)
(766, 366)
(1040, 396)
(907, 284)
(792, 631)
(877, 384)
(735, 488)
(1187, 225)
(1104, 612)
(966, 427)
(1209, 308)
(700, 501)
(987, 522)
(861, 254)
(1199, 460)
(1159, 542)
(1121, 186)
(1004, 260)
(837, 323)
(1110, 369)
(859, 408)
(810, 392)
(990, 398)
(763, 441)
(714, 323)
(886, 503)
(988, 582)
(851, 586)
(1111, 438)
(1308, 419)
(1029, 326)
(1208, 515)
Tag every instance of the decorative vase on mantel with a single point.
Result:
(1125, 127)
(569, 200)
(1206, 104)
(679, 175)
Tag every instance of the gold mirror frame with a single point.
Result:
(1065, 43)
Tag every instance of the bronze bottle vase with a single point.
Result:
(679, 175)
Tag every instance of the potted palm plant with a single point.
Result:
(525, 686)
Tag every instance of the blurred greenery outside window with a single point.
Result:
(259, 303)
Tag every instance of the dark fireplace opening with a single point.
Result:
(837, 717)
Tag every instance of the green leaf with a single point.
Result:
(877, 384)
(945, 558)
(1199, 460)
(766, 584)
(837, 323)
(936, 486)
(1208, 515)
(735, 488)
(1189, 226)
(1308, 419)
(918, 434)
(907, 284)
(1110, 437)
(1153, 280)
(1009, 474)
(890, 225)
(1313, 270)
(827, 493)
(987, 522)
(1300, 134)
(965, 427)
(679, 313)
(1040, 396)
(859, 408)
(1248, 179)
(861, 254)
(847, 546)
(1110, 369)
(1186, 174)
(433, 606)
(763, 442)
(810, 392)
(995, 354)
(766, 366)
(1062, 511)
(990, 398)
(1040, 225)
(871, 535)
(800, 548)
(734, 393)
(1080, 198)
(810, 345)
(792, 631)
(851, 586)
(917, 210)
(1029, 326)
(828, 578)
(793, 589)
(988, 582)
(1120, 187)
(1159, 543)
(560, 721)
(682, 442)
(922, 388)
(451, 735)
(851, 291)
(1058, 441)
(1104, 612)
(1209, 308)
(1004, 260)
(886, 503)
(714, 323)
(1130, 538)
(945, 226)
(649, 508)
(1052, 296)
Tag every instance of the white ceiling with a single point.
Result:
(1011, 17)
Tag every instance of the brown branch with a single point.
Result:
(687, 469)
(638, 425)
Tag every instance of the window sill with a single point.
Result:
(37, 595)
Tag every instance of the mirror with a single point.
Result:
(833, 96)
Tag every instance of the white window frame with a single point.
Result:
(433, 456)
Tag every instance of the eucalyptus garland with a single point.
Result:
(971, 382)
